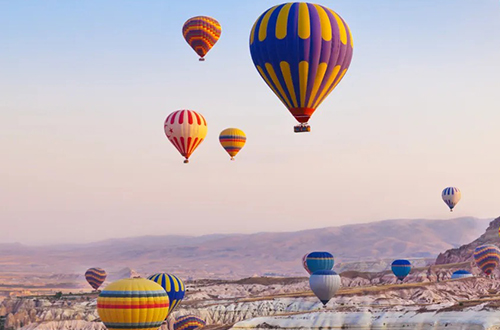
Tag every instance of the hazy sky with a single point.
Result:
(86, 85)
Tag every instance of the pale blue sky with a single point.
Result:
(86, 85)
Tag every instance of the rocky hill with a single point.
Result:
(465, 252)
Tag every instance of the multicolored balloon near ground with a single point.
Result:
(173, 286)
(188, 322)
(302, 51)
(324, 284)
(451, 196)
(186, 129)
(487, 257)
(315, 261)
(461, 274)
(133, 303)
(95, 277)
(401, 268)
(201, 33)
(232, 140)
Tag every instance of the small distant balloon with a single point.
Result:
(401, 268)
(232, 140)
(185, 129)
(133, 303)
(451, 196)
(324, 284)
(461, 274)
(487, 257)
(315, 261)
(201, 33)
(95, 277)
(173, 286)
(188, 322)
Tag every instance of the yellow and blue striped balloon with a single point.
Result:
(133, 304)
(302, 51)
(232, 140)
(173, 286)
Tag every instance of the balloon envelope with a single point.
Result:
(201, 33)
(401, 268)
(186, 129)
(232, 140)
(188, 322)
(133, 303)
(461, 274)
(304, 263)
(318, 261)
(487, 257)
(451, 196)
(95, 277)
(324, 284)
(173, 286)
(302, 51)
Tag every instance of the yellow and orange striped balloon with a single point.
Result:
(232, 140)
(133, 304)
(201, 33)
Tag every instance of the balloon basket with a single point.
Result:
(201, 59)
(302, 128)
(186, 161)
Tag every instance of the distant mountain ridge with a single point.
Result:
(240, 255)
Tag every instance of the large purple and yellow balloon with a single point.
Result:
(302, 51)
(201, 33)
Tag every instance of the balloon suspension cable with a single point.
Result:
(201, 59)
(186, 161)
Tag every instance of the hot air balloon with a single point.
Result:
(401, 268)
(201, 33)
(302, 51)
(133, 303)
(186, 129)
(461, 274)
(304, 263)
(487, 257)
(232, 140)
(173, 286)
(188, 322)
(315, 261)
(95, 277)
(451, 196)
(324, 284)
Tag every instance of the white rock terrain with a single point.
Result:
(227, 304)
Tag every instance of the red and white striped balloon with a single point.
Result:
(186, 129)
